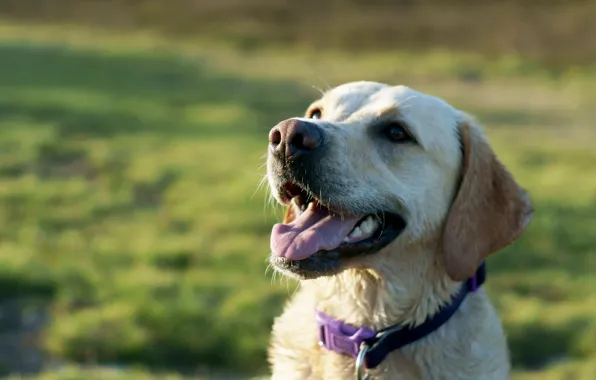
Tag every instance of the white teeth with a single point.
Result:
(369, 225)
(356, 233)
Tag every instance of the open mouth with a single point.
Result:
(316, 228)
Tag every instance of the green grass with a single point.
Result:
(128, 211)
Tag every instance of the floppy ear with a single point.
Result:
(489, 212)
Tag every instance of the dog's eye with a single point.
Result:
(397, 133)
(315, 114)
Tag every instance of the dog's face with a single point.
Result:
(371, 168)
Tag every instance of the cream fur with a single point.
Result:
(406, 281)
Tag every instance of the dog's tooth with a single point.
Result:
(374, 224)
(364, 226)
(356, 233)
(367, 225)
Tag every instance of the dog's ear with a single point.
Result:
(490, 209)
(290, 214)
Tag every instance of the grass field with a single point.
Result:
(129, 217)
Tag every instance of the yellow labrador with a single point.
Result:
(394, 199)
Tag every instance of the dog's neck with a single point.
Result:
(389, 294)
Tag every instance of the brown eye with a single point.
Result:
(315, 114)
(396, 132)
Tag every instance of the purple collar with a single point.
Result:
(345, 339)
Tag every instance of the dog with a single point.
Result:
(394, 199)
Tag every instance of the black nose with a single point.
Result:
(294, 137)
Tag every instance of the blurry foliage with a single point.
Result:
(109, 206)
(556, 32)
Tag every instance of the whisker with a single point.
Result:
(318, 89)
(382, 220)
(259, 186)
(325, 83)
(295, 289)
(404, 104)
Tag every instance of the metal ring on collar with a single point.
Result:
(360, 369)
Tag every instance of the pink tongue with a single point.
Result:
(312, 231)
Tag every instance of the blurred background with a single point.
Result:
(133, 235)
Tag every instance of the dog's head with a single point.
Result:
(372, 168)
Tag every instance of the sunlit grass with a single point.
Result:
(128, 189)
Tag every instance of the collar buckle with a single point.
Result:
(341, 338)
